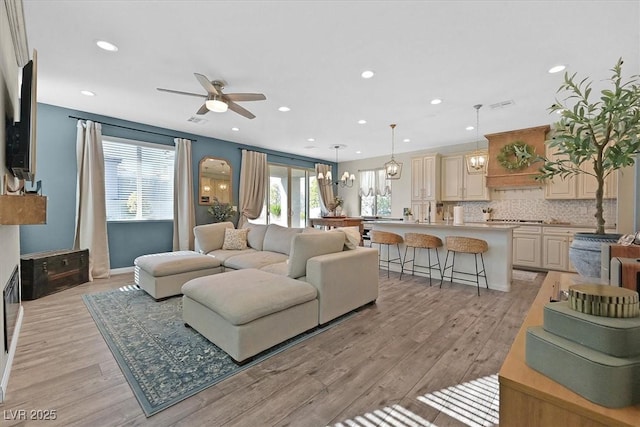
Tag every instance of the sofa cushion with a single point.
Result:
(246, 295)
(255, 238)
(278, 238)
(170, 263)
(210, 237)
(235, 239)
(309, 245)
(256, 259)
(280, 268)
(223, 255)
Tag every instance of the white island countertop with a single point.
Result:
(497, 260)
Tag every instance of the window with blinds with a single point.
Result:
(138, 180)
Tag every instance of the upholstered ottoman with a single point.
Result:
(162, 275)
(245, 312)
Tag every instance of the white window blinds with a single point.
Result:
(138, 180)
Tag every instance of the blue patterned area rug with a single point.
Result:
(164, 361)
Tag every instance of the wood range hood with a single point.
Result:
(500, 177)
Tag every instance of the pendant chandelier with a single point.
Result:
(346, 180)
(393, 169)
(477, 162)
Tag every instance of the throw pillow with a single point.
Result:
(235, 239)
(352, 236)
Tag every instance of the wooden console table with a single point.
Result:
(528, 398)
(332, 222)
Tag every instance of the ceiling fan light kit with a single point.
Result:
(216, 105)
(393, 169)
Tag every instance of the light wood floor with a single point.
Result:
(416, 339)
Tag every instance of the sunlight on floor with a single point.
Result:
(474, 403)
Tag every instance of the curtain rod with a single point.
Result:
(283, 155)
(128, 128)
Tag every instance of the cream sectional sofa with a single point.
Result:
(285, 282)
(344, 275)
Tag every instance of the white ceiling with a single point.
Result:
(308, 55)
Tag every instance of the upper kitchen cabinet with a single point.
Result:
(459, 184)
(581, 186)
(425, 178)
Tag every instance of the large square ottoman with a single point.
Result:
(162, 275)
(245, 312)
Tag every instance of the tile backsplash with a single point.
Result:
(530, 204)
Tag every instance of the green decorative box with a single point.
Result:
(613, 382)
(619, 337)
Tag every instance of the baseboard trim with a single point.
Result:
(122, 270)
(12, 351)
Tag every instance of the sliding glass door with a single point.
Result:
(289, 198)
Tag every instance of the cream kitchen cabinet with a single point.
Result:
(458, 184)
(527, 246)
(555, 247)
(425, 178)
(582, 186)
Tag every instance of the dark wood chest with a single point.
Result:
(44, 273)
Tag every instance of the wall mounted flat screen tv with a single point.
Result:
(21, 136)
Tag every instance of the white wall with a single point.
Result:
(9, 234)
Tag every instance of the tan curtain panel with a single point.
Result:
(253, 185)
(91, 210)
(184, 217)
(326, 191)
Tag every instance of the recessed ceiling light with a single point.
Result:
(362, 122)
(311, 139)
(110, 47)
(284, 109)
(87, 93)
(367, 74)
(556, 69)
(469, 128)
(235, 129)
(358, 152)
(310, 147)
(406, 140)
(436, 101)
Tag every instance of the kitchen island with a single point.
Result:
(497, 260)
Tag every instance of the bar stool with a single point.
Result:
(422, 241)
(387, 239)
(467, 245)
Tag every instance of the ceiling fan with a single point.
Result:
(217, 100)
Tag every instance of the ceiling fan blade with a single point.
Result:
(203, 109)
(182, 93)
(206, 84)
(240, 110)
(240, 97)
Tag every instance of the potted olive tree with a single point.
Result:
(602, 132)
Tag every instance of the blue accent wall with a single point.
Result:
(57, 168)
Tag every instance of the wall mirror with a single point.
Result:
(215, 180)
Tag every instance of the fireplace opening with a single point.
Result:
(11, 297)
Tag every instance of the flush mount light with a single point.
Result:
(87, 93)
(556, 69)
(362, 122)
(367, 74)
(284, 109)
(235, 129)
(105, 45)
(436, 101)
(216, 105)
